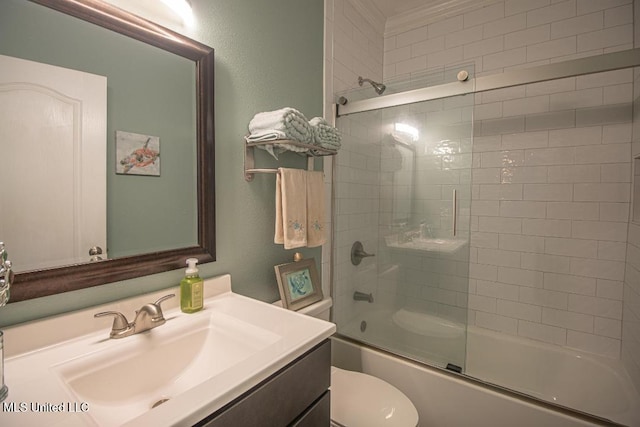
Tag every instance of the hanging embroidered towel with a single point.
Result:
(291, 208)
(315, 209)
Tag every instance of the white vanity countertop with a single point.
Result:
(42, 357)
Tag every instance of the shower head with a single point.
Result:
(379, 87)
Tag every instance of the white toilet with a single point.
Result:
(361, 400)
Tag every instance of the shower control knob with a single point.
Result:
(357, 253)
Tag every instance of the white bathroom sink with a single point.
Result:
(175, 374)
(129, 379)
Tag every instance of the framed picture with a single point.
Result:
(298, 283)
(137, 154)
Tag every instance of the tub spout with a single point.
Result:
(361, 296)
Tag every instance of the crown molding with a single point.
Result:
(431, 13)
(371, 13)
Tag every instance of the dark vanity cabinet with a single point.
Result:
(297, 395)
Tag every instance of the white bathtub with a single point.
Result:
(585, 382)
(580, 381)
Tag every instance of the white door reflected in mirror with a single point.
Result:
(51, 117)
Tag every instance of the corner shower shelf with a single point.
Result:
(312, 151)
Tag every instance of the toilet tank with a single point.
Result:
(319, 310)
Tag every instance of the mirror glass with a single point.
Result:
(149, 197)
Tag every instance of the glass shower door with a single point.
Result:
(403, 189)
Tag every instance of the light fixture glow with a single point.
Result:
(445, 146)
(182, 8)
(410, 130)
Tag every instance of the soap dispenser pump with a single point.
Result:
(191, 289)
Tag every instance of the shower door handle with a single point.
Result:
(454, 214)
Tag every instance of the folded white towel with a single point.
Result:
(285, 123)
(266, 135)
(324, 134)
(273, 149)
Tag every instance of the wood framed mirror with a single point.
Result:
(44, 282)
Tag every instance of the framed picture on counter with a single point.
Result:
(298, 284)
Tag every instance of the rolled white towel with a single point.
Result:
(285, 123)
(324, 134)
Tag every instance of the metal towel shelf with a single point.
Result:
(249, 159)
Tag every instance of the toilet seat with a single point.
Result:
(361, 400)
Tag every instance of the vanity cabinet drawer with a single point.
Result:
(296, 395)
(319, 414)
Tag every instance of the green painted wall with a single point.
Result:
(268, 54)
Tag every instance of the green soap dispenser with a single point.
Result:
(191, 289)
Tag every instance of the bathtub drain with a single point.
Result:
(363, 326)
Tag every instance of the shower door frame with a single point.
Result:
(570, 68)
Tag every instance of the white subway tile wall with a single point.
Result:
(358, 47)
(630, 332)
(515, 32)
(551, 169)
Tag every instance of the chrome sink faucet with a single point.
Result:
(148, 317)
